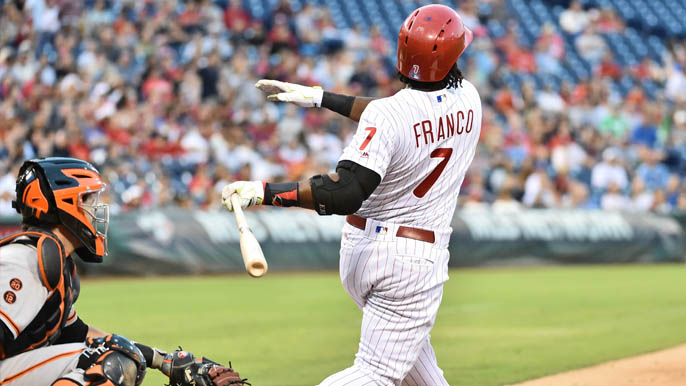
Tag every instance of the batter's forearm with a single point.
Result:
(287, 194)
(342, 192)
(305, 195)
(348, 106)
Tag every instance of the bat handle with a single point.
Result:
(238, 211)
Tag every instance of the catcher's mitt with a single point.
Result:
(184, 369)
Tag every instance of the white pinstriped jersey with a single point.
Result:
(421, 144)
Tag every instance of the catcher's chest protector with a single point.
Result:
(58, 275)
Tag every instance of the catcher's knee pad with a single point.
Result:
(113, 369)
(112, 361)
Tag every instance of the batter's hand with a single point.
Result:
(251, 193)
(302, 96)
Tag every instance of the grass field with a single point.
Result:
(495, 326)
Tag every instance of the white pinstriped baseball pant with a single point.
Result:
(398, 284)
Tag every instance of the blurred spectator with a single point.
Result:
(641, 200)
(574, 19)
(610, 171)
(614, 124)
(608, 21)
(539, 191)
(652, 171)
(607, 68)
(613, 199)
(590, 45)
(160, 96)
(676, 82)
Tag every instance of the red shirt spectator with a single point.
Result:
(235, 17)
(552, 41)
(520, 59)
(608, 68)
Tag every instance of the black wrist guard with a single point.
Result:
(342, 104)
(281, 194)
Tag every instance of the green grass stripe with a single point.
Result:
(495, 326)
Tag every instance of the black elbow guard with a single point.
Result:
(346, 195)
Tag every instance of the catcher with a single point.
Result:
(42, 340)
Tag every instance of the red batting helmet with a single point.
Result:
(430, 41)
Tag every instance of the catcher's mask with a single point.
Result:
(66, 191)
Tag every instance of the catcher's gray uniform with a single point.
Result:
(42, 366)
(23, 296)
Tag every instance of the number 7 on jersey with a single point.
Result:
(430, 180)
(372, 131)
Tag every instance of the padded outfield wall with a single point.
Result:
(176, 241)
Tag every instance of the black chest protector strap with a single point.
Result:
(57, 274)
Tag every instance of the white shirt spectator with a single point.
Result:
(24, 70)
(604, 174)
(293, 152)
(643, 202)
(196, 147)
(239, 156)
(325, 146)
(49, 20)
(676, 84)
(550, 101)
(290, 126)
(614, 201)
(537, 190)
(568, 157)
(7, 187)
(573, 20)
(591, 46)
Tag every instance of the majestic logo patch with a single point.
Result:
(10, 297)
(365, 154)
(414, 73)
(16, 284)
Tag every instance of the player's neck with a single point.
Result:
(68, 240)
(431, 88)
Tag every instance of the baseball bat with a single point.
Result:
(251, 251)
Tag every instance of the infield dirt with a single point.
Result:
(661, 368)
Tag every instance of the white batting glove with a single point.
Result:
(302, 96)
(251, 193)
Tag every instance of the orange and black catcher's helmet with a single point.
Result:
(430, 42)
(65, 191)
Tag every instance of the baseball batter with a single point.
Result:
(42, 340)
(398, 183)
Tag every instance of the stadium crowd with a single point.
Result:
(159, 96)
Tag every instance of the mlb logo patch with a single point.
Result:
(414, 73)
(381, 230)
(440, 98)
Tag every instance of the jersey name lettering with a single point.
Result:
(445, 128)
